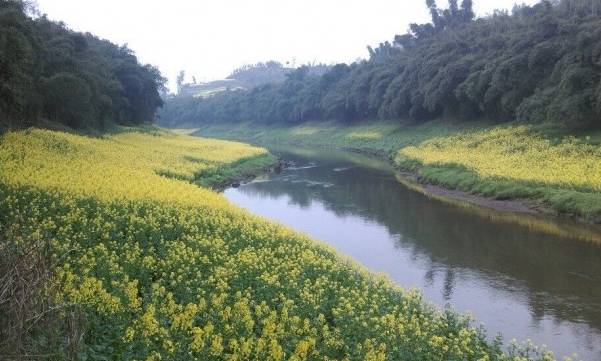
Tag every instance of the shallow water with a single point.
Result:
(526, 277)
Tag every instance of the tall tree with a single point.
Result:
(181, 76)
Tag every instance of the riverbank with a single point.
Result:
(131, 258)
(544, 168)
(221, 177)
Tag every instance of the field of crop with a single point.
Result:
(550, 166)
(121, 256)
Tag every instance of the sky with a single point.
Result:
(210, 38)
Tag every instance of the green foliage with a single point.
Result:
(48, 72)
(17, 56)
(68, 98)
(221, 176)
(541, 63)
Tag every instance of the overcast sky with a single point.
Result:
(209, 38)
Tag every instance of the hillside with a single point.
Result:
(202, 90)
(244, 78)
(255, 75)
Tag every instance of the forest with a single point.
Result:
(536, 63)
(50, 74)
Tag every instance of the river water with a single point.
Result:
(524, 276)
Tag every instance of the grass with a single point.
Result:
(222, 175)
(554, 168)
(132, 265)
(382, 138)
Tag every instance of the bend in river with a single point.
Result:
(527, 278)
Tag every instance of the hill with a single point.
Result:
(245, 78)
(208, 89)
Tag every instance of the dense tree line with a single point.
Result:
(537, 63)
(48, 72)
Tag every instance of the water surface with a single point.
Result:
(525, 277)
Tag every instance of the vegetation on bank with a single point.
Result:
(553, 166)
(50, 74)
(103, 257)
(538, 63)
(224, 175)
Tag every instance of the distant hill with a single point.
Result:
(202, 90)
(271, 72)
(248, 77)
(254, 75)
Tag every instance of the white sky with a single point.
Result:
(209, 38)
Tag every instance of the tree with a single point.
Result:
(467, 11)
(67, 99)
(18, 65)
(180, 80)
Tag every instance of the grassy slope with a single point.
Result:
(549, 166)
(149, 267)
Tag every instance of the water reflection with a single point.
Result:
(516, 280)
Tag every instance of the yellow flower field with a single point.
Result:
(149, 266)
(561, 172)
(127, 165)
(515, 153)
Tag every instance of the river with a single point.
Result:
(524, 276)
